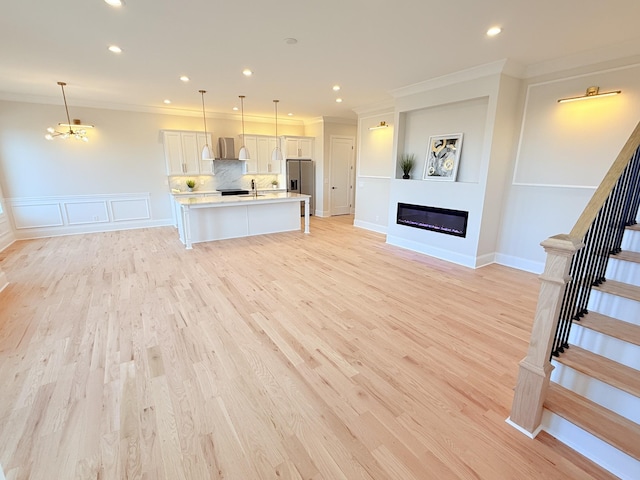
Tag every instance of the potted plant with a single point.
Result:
(191, 183)
(407, 161)
(274, 184)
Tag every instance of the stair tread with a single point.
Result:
(628, 256)
(611, 326)
(613, 373)
(621, 289)
(597, 420)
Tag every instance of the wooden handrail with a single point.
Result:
(604, 189)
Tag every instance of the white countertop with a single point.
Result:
(227, 200)
(217, 192)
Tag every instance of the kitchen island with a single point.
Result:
(211, 218)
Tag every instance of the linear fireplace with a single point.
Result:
(443, 220)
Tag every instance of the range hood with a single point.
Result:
(226, 149)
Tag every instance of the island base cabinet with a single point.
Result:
(209, 224)
(266, 219)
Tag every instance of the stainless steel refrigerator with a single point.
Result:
(301, 179)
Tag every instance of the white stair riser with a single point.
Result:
(622, 352)
(623, 271)
(611, 398)
(603, 454)
(631, 241)
(614, 306)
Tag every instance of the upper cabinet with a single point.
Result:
(297, 147)
(250, 141)
(260, 148)
(183, 150)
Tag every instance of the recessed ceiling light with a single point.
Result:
(235, 109)
(184, 78)
(336, 88)
(115, 3)
(246, 72)
(290, 114)
(338, 100)
(493, 31)
(167, 101)
(290, 41)
(115, 49)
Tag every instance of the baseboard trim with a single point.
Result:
(374, 227)
(98, 228)
(447, 255)
(522, 430)
(519, 263)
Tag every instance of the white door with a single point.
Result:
(341, 158)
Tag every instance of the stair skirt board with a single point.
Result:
(596, 450)
(614, 306)
(611, 398)
(623, 271)
(617, 350)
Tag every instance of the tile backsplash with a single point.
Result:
(228, 174)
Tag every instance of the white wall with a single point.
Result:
(123, 162)
(374, 166)
(564, 151)
(527, 178)
(468, 106)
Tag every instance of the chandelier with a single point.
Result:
(75, 129)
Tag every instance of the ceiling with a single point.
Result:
(367, 47)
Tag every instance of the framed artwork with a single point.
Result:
(443, 157)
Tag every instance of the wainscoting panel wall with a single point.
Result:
(48, 216)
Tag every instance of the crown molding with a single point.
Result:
(506, 66)
(180, 112)
(624, 52)
(383, 107)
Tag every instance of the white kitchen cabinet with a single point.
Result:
(260, 148)
(183, 150)
(265, 148)
(297, 147)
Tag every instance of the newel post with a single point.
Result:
(535, 369)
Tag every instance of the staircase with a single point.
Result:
(593, 400)
(580, 380)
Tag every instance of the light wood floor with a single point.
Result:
(324, 356)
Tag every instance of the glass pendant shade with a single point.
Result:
(276, 155)
(244, 151)
(206, 151)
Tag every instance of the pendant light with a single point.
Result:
(75, 129)
(276, 155)
(206, 151)
(244, 151)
